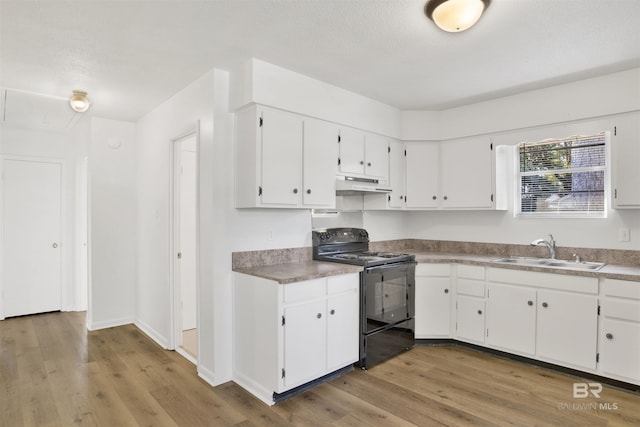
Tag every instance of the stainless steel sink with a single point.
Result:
(555, 263)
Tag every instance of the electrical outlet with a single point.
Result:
(623, 234)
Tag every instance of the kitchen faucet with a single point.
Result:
(551, 245)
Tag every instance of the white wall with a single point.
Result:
(583, 107)
(263, 83)
(113, 223)
(60, 146)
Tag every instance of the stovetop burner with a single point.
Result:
(351, 246)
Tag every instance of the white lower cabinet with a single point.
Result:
(433, 301)
(620, 330)
(470, 319)
(511, 318)
(286, 335)
(470, 303)
(567, 327)
(552, 317)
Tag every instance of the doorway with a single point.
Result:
(185, 245)
(32, 251)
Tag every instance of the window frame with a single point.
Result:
(560, 213)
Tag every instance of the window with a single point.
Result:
(563, 177)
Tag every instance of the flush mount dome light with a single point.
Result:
(79, 101)
(455, 15)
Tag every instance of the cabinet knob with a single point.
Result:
(362, 162)
(369, 164)
(446, 291)
(434, 197)
(308, 191)
(295, 191)
(319, 315)
(529, 302)
(479, 311)
(333, 312)
(545, 305)
(609, 336)
(55, 245)
(445, 197)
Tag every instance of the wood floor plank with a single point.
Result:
(55, 373)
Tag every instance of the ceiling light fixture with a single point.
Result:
(79, 101)
(455, 15)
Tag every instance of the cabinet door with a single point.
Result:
(281, 158)
(351, 152)
(422, 175)
(433, 307)
(470, 319)
(304, 343)
(620, 348)
(511, 318)
(396, 174)
(320, 163)
(342, 329)
(567, 327)
(467, 173)
(626, 158)
(376, 156)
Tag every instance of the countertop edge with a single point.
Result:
(309, 270)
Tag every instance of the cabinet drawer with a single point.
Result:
(301, 291)
(433, 270)
(343, 283)
(627, 310)
(470, 271)
(560, 282)
(470, 287)
(621, 288)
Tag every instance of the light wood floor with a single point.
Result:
(54, 373)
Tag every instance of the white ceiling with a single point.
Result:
(132, 55)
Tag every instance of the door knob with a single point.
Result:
(55, 245)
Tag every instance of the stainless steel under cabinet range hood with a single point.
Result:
(352, 186)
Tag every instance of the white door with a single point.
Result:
(187, 215)
(31, 246)
(342, 329)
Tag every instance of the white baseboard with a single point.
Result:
(153, 334)
(94, 326)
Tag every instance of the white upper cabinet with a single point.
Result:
(396, 174)
(467, 174)
(363, 155)
(625, 142)
(281, 158)
(422, 175)
(284, 160)
(319, 169)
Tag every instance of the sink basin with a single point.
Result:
(556, 263)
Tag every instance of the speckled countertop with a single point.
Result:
(295, 264)
(299, 271)
(290, 272)
(612, 271)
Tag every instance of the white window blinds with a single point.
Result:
(563, 176)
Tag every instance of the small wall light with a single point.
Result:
(455, 15)
(79, 101)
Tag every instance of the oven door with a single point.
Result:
(387, 296)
